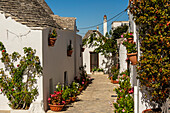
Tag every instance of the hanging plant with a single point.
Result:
(52, 38)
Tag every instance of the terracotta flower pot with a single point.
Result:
(80, 89)
(115, 82)
(69, 52)
(67, 101)
(52, 41)
(130, 40)
(56, 107)
(151, 111)
(132, 57)
(73, 99)
(111, 80)
(82, 49)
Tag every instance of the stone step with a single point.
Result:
(4, 111)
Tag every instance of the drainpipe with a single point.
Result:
(136, 88)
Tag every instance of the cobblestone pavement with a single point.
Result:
(97, 98)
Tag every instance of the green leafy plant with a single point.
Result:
(97, 69)
(124, 102)
(152, 16)
(115, 72)
(66, 93)
(127, 35)
(130, 47)
(53, 34)
(19, 86)
(74, 89)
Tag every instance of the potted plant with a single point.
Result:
(22, 77)
(52, 38)
(74, 90)
(131, 51)
(66, 94)
(128, 36)
(69, 50)
(56, 101)
(115, 73)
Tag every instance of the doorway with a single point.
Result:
(94, 60)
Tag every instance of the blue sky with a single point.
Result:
(89, 12)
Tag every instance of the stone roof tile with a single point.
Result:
(65, 22)
(88, 34)
(28, 12)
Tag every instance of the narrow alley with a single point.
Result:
(96, 98)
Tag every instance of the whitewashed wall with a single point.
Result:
(56, 61)
(122, 58)
(15, 37)
(78, 57)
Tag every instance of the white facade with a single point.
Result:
(116, 24)
(86, 58)
(54, 60)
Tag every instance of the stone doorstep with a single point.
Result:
(4, 111)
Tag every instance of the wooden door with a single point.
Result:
(94, 60)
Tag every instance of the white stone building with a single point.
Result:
(92, 59)
(28, 24)
(116, 24)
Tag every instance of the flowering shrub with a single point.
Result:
(20, 87)
(124, 103)
(152, 16)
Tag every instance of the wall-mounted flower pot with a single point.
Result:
(51, 41)
(132, 57)
(56, 107)
(130, 40)
(82, 49)
(69, 52)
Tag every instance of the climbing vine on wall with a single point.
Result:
(152, 17)
(106, 45)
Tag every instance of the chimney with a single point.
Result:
(97, 28)
(105, 25)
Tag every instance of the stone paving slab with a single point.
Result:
(97, 98)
